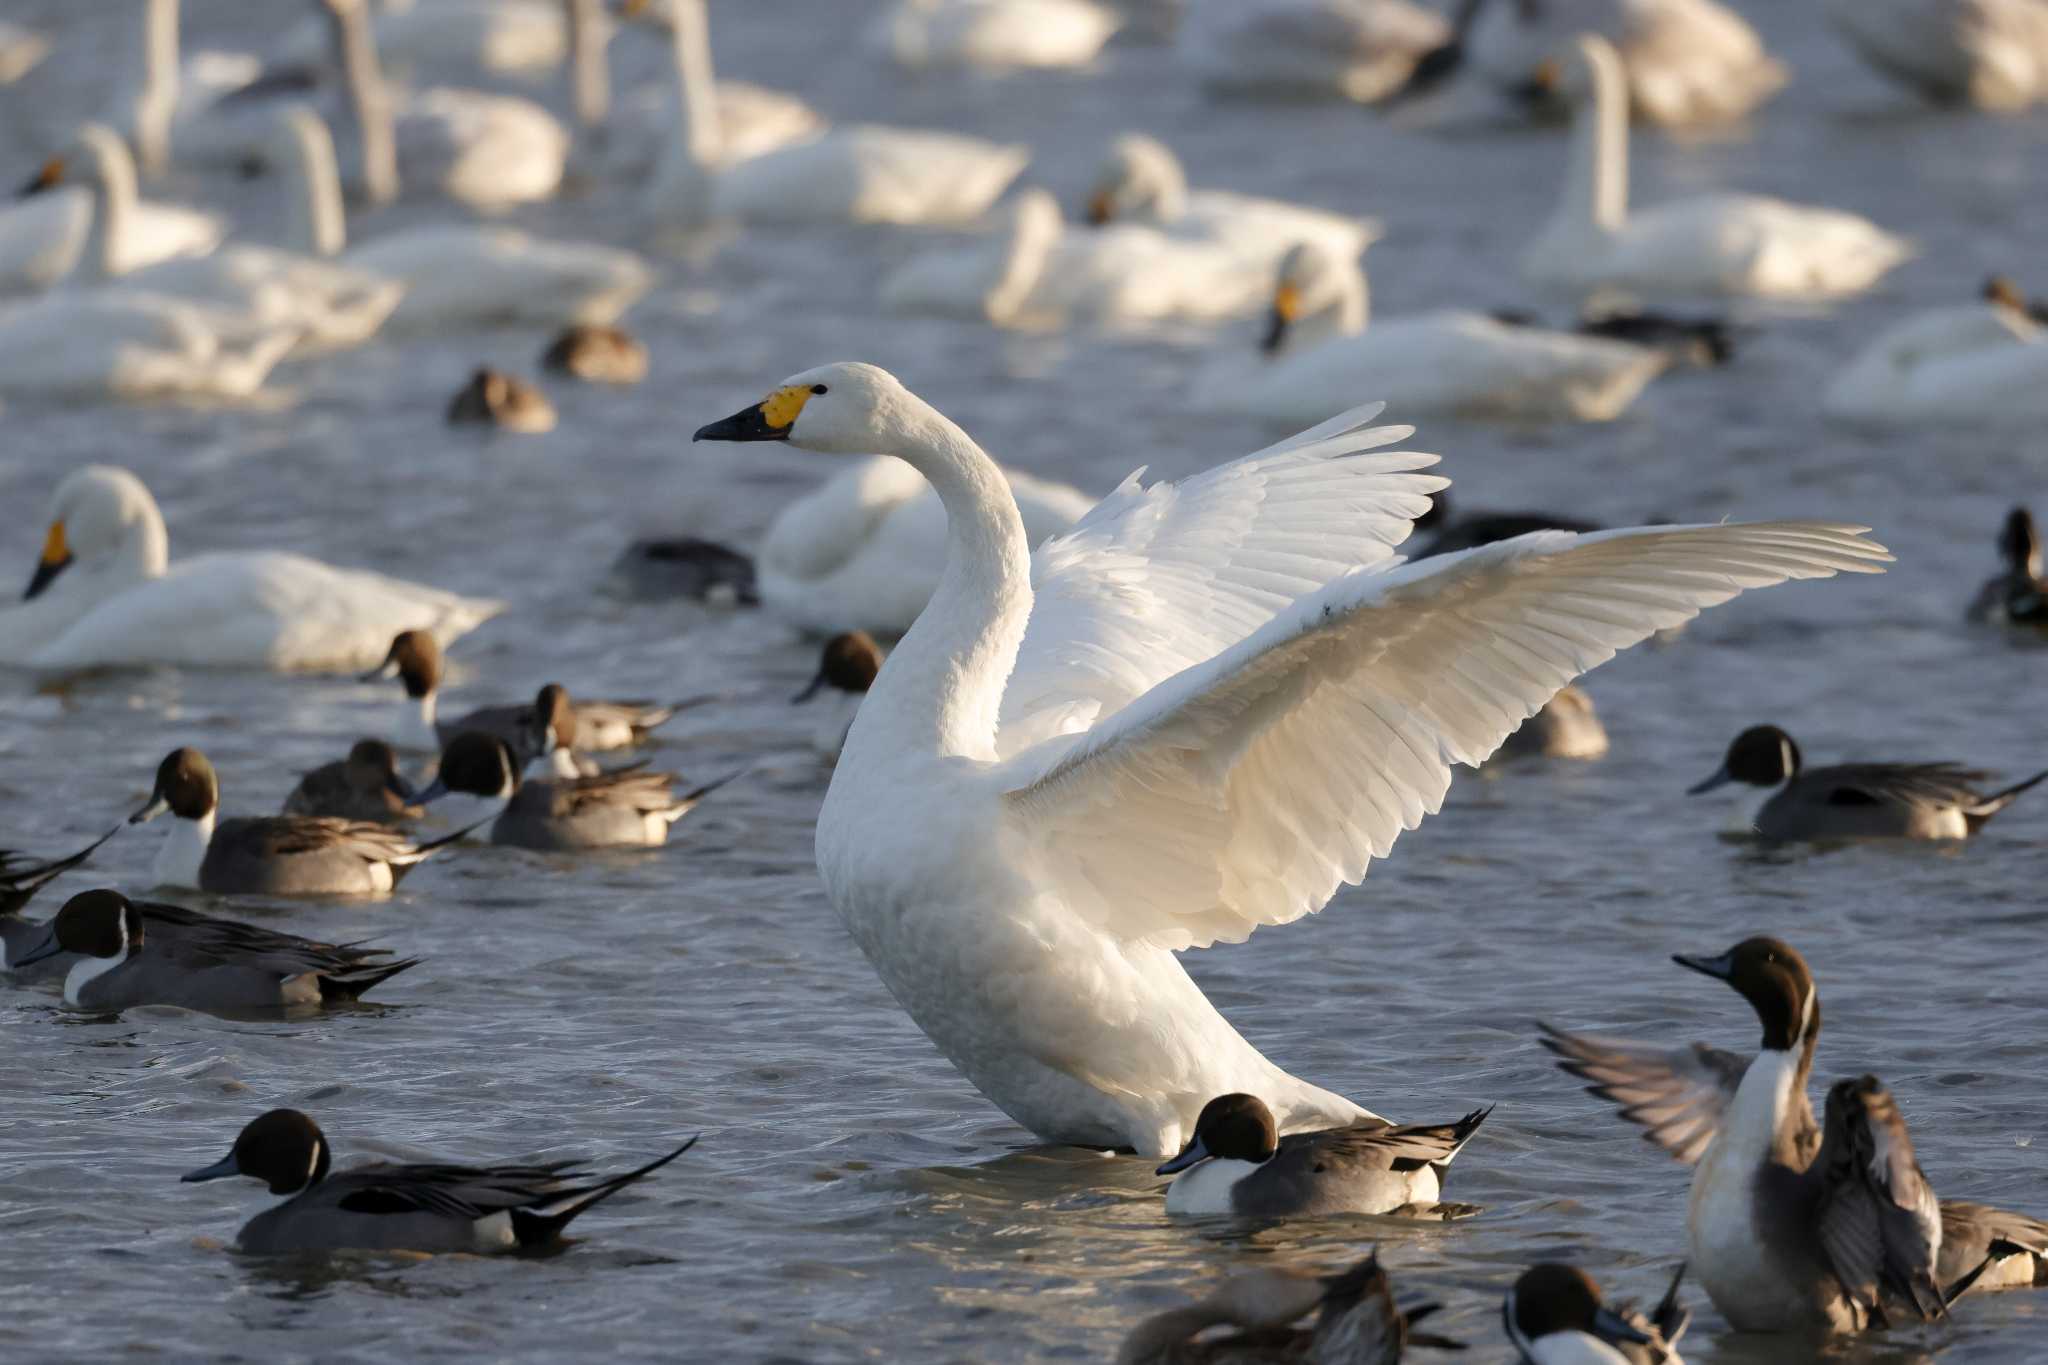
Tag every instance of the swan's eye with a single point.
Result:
(819, 388)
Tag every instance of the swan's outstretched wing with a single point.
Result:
(1244, 790)
(1157, 580)
(1677, 1095)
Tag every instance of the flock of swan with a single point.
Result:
(1071, 738)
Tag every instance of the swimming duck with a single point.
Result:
(388, 1206)
(1183, 721)
(1449, 533)
(2019, 596)
(1856, 800)
(1555, 1316)
(2004, 290)
(686, 568)
(104, 595)
(597, 354)
(630, 807)
(364, 786)
(493, 398)
(1568, 726)
(1989, 53)
(847, 668)
(1322, 352)
(1717, 244)
(1238, 1164)
(992, 35)
(1767, 1174)
(130, 954)
(1356, 1322)
(1360, 50)
(268, 855)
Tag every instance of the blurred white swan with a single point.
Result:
(459, 40)
(457, 274)
(43, 237)
(865, 549)
(325, 305)
(860, 173)
(1325, 356)
(992, 35)
(1980, 364)
(1709, 244)
(1291, 49)
(1031, 270)
(1200, 712)
(1141, 181)
(105, 595)
(1990, 53)
(21, 51)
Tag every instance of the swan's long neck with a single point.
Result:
(314, 220)
(1596, 182)
(682, 183)
(941, 688)
(590, 77)
(1342, 308)
(369, 102)
(157, 100)
(1018, 258)
(113, 210)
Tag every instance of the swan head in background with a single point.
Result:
(97, 157)
(834, 410)
(1316, 298)
(105, 534)
(1141, 180)
(48, 177)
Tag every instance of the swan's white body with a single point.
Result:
(1687, 62)
(1142, 182)
(120, 602)
(491, 152)
(44, 237)
(993, 35)
(864, 551)
(1439, 362)
(1713, 244)
(1990, 53)
(452, 39)
(83, 345)
(866, 173)
(1293, 49)
(21, 51)
(1976, 365)
(1201, 711)
(1031, 270)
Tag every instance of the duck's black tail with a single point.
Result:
(18, 884)
(540, 1224)
(352, 982)
(1976, 815)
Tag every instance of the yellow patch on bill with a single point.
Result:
(1287, 302)
(781, 407)
(55, 549)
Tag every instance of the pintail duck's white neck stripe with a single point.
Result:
(184, 851)
(88, 969)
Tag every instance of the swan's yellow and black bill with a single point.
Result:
(56, 558)
(1101, 208)
(1286, 309)
(768, 420)
(48, 177)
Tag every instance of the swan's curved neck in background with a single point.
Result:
(113, 209)
(681, 188)
(314, 220)
(156, 99)
(941, 688)
(369, 103)
(590, 77)
(1596, 182)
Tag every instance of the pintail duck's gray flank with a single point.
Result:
(1555, 1315)
(276, 855)
(126, 954)
(1237, 1164)
(364, 786)
(404, 1207)
(631, 807)
(597, 355)
(1857, 800)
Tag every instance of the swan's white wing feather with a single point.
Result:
(1244, 790)
(1156, 580)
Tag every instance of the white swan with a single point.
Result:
(452, 40)
(1201, 711)
(1687, 62)
(105, 595)
(1980, 364)
(865, 549)
(21, 51)
(326, 306)
(1290, 49)
(1141, 181)
(1325, 357)
(43, 237)
(993, 35)
(1710, 244)
(1030, 270)
(1990, 53)
(862, 173)
(456, 275)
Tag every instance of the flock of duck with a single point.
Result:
(1107, 731)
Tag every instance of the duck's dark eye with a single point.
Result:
(819, 388)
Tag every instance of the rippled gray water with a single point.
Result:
(852, 1196)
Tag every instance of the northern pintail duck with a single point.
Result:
(1770, 1183)
(596, 726)
(2019, 595)
(1448, 532)
(268, 855)
(1238, 1164)
(1251, 1319)
(1566, 727)
(847, 668)
(403, 1207)
(20, 878)
(631, 807)
(364, 786)
(1554, 1315)
(1856, 800)
(496, 399)
(687, 568)
(127, 953)
(597, 355)
(2005, 291)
